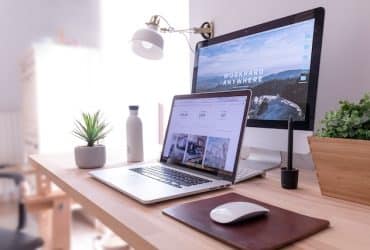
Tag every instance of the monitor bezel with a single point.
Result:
(318, 14)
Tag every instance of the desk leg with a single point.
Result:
(54, 217)
(55, 224)
(61, 223)
(44, 225)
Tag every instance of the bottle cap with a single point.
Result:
(133, 107)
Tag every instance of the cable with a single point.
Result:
(171, 29)
(188, 42)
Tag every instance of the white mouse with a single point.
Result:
(236, 211)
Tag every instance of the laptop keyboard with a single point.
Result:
(170, 176)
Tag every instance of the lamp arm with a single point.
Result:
(206, 29)
(172, 30)
(195, 30)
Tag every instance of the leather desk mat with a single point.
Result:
(279, 228)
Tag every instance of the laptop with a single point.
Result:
(200, 152)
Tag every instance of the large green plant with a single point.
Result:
(351, 120)
(91, 129)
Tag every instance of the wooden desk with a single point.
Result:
(145, 227)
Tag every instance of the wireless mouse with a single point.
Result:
(232, 212)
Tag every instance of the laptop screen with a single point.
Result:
(205, 133)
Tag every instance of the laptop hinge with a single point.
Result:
(194, 171)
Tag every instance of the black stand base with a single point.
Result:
(289, 178)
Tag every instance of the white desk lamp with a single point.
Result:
(148, 42)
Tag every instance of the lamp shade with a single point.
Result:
(148, 43)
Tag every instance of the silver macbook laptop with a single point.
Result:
(200, 151)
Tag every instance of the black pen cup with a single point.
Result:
(289, 178)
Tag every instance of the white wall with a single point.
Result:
(130, 79)
(345, 58)
(24, 22)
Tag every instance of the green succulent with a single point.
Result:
(351, 120)
(91, 129)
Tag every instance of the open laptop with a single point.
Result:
(200, 151)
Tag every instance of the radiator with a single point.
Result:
(11, 149)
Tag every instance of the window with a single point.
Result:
(114, 78)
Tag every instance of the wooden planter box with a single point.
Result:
(342, 167)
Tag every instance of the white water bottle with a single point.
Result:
(134, 135)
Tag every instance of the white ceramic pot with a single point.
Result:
(90, 157)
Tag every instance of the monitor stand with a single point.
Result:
(259, 159)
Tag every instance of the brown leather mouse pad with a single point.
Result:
(278, 229)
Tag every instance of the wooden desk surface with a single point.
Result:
(145, 227)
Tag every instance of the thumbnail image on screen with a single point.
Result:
(199, 151)
(177, 149)
(216, 152)
(195, 150)
(275, 64)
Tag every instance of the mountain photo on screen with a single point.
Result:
(275, 64)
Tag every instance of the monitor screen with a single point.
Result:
(205, 133)
(274, 60)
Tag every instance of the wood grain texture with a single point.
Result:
(145, 227)
(343, 167)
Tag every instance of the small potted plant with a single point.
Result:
(341, 152)
(91, 129)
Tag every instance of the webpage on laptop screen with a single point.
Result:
(204, 133)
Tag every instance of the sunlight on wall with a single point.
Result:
(112, 78)
(67, 80)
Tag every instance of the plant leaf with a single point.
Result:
(91, 128)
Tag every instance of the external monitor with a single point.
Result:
(279, 61)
